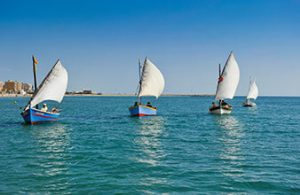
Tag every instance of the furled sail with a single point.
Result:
(229, 79)
(53, 87)
(152, 82)
(253, 91)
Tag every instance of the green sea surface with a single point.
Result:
(97, 148)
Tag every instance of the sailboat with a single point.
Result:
(252, 94)
(151, 83)
(227, 84)
(52, 88)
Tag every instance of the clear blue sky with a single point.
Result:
(100, 42)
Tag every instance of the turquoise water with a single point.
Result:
(97, 148)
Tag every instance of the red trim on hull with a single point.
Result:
(40, 122)
(144, 114)
(43, 116)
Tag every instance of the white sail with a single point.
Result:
(229, 79)
(253, 91)
(53, 87)
(152, 81)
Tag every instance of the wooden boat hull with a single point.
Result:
(220, 111)
(35, 116)
(142, 110)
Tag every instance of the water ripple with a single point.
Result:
(97, 148)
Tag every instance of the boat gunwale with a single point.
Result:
(144, 106)
(218, 107)
(46, 112)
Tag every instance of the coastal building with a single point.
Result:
(87, 91)
(1, 85)
(26, 87)
(9, 86)
(16, 87)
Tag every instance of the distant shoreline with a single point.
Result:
(104, 95)
(125, 95)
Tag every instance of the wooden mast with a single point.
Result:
(139, 98)
(34, 76)
(220, 72)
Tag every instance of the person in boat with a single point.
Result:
(44, 108)
(149, 104)
(225, 104)
(136, 104)
(213, 105)
(55, 110)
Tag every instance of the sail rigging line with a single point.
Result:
(140, 80)
(220, 79)
(34, 63)
(138, 86)
(141, 70)
(152, 80)
(42, 83)
(229, 79)
(53, 87)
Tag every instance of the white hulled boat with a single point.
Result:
(227, 84)
(252, 94)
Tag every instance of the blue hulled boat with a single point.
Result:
(151, 83)
(142, 110)
(52, 88)
(34, 116)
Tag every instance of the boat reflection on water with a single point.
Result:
(150, 131)
(52, 142)
(228, 122)
(231, 154)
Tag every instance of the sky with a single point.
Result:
(100, 42)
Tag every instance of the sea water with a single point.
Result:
(96, 147)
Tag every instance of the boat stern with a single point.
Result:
(220, 111)
(142, 110)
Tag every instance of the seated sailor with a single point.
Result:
(225, 104)
(149, 104)
(213, 105)
(44, 108)
(55, 110)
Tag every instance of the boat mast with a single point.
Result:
(34, 76)
(249, 87)
(219, 79)
(139, 98)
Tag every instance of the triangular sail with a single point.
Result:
(253, 91)
(152, 82)
(53, 87)
(229, 79)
